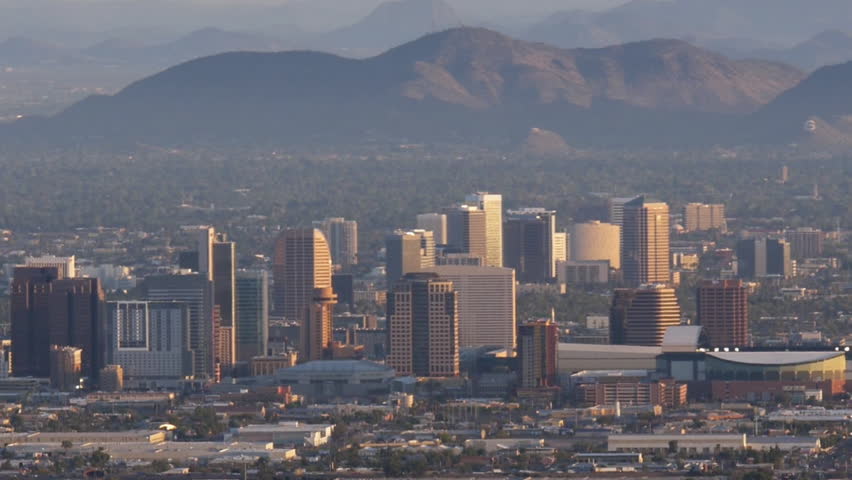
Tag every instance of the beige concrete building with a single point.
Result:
(645, 254)
(467, 231)
(342, 238)
(408, 252)
(302, 263)
(486, 304)
(435, 223)
(423, 327)
(596, 241)
(698, 217)
(492, 205)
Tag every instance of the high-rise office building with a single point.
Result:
(206, 239)
(763, 257)
(302, 263)
(723, 312)
(616, 209)
(342, 238)
(196, 291)
(699, 217)
(486, 304)
(66, 266)
(641, 316)
(47, 310)
(805, 242)
(645, 254)
(77, 319)
(316, 332)
(408, 252)
(492, 205)
(66, 367)
(592, 241)
(423, 327)
(224, 293)
(537, 354)
(435, 223)
(467, 231)
(30, 318)
(252, 314)
(528, 244)
(150, 341)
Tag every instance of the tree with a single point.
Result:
(66, 444)
(99, 458)
(160, 466)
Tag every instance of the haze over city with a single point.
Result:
(292, 239)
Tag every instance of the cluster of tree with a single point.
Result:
(384, 189)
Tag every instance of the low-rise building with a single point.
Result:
(688, 443)
(785, 443)
(285, 434)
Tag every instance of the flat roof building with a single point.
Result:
(486, 304)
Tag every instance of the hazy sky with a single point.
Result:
(19, 16)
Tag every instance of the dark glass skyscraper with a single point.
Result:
(252, 314)
(46, 311)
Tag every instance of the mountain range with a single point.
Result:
(460, 85)
(770, 21)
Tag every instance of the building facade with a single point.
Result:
(342, 238)
(699, 217)
(641, 316)
(467, 231)
(645, 253)
(150, 342)
(423, 327)
(225, 293)
(66, 367)
(805, 242)
(529, 244)
(723, 312)
(492, 205)
(196, 292)
(302, 263)
(408, 252)
(50, 310)
(486, 304)
(591, 241)
(252, 332)
(537, 354)
(435, 223)
(764, 257)
(316, 332)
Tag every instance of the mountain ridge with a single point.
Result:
(459, 83)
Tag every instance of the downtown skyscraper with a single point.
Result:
(645, 254)
(301, 263)
(528, 244)
(423, 327)
(492, 205)
(342, 238)
(722, 307)
(252, 332)
(408, 252)
(48, 310)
